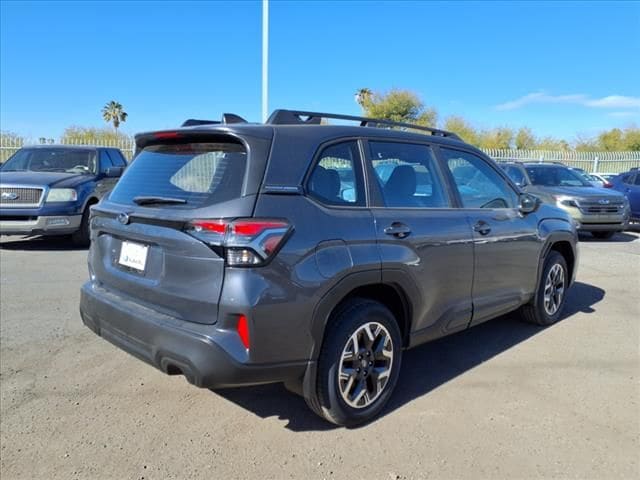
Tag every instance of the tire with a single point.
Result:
(603, 235)
(348, 391)
(539, 311)
(82, 236)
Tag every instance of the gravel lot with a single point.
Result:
(503, 400)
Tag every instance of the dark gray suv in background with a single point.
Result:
(239, 254)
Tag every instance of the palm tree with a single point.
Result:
(362, 96)
(113, 112)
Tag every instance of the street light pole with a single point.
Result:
(265, 60)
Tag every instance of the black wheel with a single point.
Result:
(359, 363)
(82, 237)
(546, 306)
(603, 235)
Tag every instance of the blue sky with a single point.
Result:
(561, 68)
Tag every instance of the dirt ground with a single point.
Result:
(503, 400)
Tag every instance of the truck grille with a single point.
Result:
(604, 209)
(20, 196)
(597, 208)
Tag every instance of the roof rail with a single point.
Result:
(296, 117)
(227, 118)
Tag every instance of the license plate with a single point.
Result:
(133, 255)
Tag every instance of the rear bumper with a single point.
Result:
(43, 225)
(207, 356)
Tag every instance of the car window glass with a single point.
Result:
(555, 176)
(117, 159)
(105, 160)
(637, 180)
(407, 175)
(202, 174)
(479, 185)
(54, 159)
(336, 178)
(514, 174)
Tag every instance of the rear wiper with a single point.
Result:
(147, 200)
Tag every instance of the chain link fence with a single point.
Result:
(606, 162)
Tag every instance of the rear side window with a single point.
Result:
(336, 178)
(105, 160)
(199, 173)
(514, 173)
(479, 185)
(637, 180)
(117, 158)
(407, 175)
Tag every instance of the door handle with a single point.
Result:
(483, 228)
(397, 229)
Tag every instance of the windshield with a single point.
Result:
(552, 176)
(68, 160)
(188, 175)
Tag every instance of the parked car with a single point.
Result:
(49, 189)
(602, 212)
(594, 181)
(607, 176)
(238, 254)
(600, 180)
(628, 183)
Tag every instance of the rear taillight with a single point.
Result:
(607, 185)
(246, 242)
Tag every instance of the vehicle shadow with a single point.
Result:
(618, 237)
(423, 369)
(41, 243)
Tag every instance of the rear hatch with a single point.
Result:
(142, 247)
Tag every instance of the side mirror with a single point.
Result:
(114, 172)
(528, 203)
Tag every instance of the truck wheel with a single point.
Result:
(546, 306)
(603, 235)
(82, 236)
(359, 364)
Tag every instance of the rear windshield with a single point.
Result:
(197, 174)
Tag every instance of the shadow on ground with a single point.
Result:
(625, 236)
(42, 244)
(423, 369)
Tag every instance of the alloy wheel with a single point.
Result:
(554, 287)
(365, 365)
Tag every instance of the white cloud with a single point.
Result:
(624, 114)
(614, 101)
(611, 101)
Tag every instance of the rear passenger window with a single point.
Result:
(637, 180)
(105, 160)
(514, 174)
(337, 178)
(407, 175)
(117, 158)
(479, 185)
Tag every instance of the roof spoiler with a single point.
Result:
(227, 118)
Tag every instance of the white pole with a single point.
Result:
(265, 59)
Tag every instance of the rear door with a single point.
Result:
(425, 245)
(506, 243)
(142, 246)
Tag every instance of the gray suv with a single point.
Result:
(239, 254)
(600, 211)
